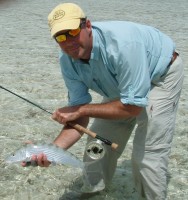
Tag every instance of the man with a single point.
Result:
(138, 72)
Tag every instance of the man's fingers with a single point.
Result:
(33, 162)
(24, 164)
(30, 163)
(45, 161)
(40, 160)
(59, 117)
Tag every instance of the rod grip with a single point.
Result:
(83, 129)
(92, 134)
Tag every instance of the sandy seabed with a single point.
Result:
(29, 66)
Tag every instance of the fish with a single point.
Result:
(54, 154)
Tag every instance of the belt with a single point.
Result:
(174, 56)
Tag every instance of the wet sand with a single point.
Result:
(29, 66)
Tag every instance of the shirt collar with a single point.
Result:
(95, 51)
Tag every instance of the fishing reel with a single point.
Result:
(95, 149)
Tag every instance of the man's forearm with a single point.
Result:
(110, 110)
(69, 136)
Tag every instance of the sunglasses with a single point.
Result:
(71, 33)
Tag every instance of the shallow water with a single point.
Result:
(29, 67)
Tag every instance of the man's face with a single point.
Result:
(79, 46)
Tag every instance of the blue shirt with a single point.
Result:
(126, 58)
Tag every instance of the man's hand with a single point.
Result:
(40, 160)
(66, 114)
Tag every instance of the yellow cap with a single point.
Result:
(65, 16)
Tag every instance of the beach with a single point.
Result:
(29, 67)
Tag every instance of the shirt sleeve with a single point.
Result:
(133, 74)
(78, 92)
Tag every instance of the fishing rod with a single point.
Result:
(74, 125)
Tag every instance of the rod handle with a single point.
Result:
(92, 134)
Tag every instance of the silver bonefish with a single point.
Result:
(54, 154)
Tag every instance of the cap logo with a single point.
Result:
(58, 14)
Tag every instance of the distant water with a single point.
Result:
(29, 66)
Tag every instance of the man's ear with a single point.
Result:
(88, 23)
(89, 27)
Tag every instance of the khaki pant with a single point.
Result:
(152, 141)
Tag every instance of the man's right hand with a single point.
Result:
(40, 160)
